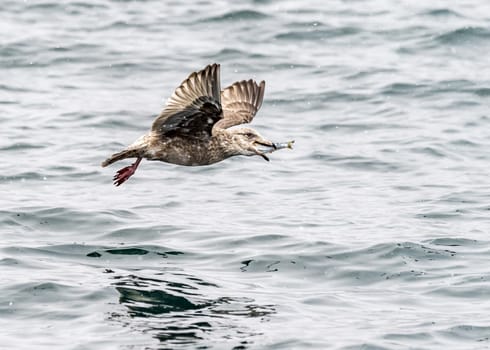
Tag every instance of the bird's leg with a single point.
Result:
(125, 173)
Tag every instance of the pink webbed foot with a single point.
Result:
(125, 173)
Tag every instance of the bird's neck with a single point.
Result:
(223, 141)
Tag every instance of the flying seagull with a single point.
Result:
(195, 126)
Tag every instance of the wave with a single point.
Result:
(241, 15)
(316, 34)
(234, 54)
(442, 12)
(464, 36)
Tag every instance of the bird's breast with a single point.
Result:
(188, 152)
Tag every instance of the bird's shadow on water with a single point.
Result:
(179, 310)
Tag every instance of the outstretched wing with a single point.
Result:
(194, 107)
(240, 103)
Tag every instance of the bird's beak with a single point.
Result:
(263, 146)
(269, 147)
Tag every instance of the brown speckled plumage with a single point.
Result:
(193, 127)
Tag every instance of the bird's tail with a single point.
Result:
(127, 153)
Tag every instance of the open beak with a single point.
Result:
(264, 146)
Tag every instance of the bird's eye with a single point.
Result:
(249, 135)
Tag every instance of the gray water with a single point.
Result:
(373, 233)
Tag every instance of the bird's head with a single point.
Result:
(248, 142)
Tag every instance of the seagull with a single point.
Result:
(195, 127)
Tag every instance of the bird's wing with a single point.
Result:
(240, 103)
(194, 107)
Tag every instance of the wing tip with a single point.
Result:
(212, 67)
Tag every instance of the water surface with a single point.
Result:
(371, 234)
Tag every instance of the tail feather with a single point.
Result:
(127, 153)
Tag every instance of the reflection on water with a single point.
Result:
(153, 302)
(179, 310)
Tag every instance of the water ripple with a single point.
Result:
(317, 34)
(464, 36)
(376, 224)
(240, 15)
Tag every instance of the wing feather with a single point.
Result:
(240, 103)
(194, 107)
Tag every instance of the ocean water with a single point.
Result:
(373, 233)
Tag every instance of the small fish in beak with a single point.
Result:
(282, 145)
(272, 147)
(269, 147)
